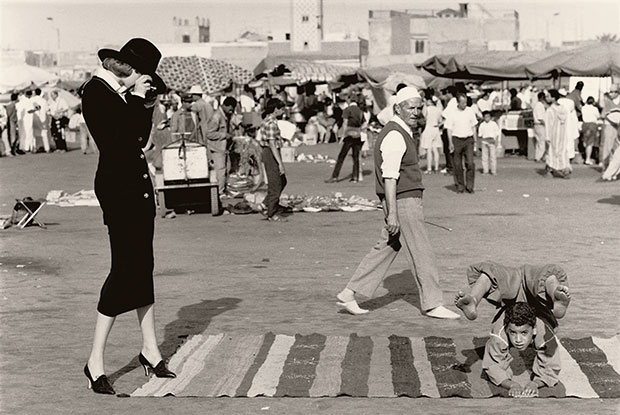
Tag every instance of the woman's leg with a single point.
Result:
(150, 350)
(102, 330)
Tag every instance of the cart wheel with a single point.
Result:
(215, 201)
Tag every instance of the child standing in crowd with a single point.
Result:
(590, 116)
(431, 136)
(490, 136)
(519, 329)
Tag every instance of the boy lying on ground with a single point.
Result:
(519, 329)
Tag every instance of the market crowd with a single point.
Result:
(36, 122)
(462, 120)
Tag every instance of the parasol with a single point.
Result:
(182, 72)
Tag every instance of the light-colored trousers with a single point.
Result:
(613, 169)
(413, 237)
(609, 141)
(218, 164)
(489, 157)
(541, 139)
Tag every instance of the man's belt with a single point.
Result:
(462, 138)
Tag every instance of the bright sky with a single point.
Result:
(91, 24)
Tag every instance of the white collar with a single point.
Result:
(400, 122)
(110, 79)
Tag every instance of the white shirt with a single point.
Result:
(23, 106)
(42, 111)
(393, 148)
(247, 103)
(451, 106)
(489, 130)
(484, 105)
(589, 113)
(462, 122)
(539, 112)
(58, 107)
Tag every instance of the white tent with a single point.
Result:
(20, 76)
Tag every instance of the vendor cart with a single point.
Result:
(184, 184)
(517, 132)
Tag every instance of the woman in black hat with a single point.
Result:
(118, 105)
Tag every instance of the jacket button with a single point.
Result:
(140, 139)
(142, 156)
(145, 176)
(146, 195)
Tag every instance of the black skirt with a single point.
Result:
(130, 282)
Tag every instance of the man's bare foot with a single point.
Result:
(561, 299)
(467, 304)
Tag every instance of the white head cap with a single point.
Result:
(407, 93)
(196, 89)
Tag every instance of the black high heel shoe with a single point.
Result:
(101, 385)
(160, 370)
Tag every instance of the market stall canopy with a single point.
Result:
(298, 71)
(483, 65)
(383, 80)
(602, 59)
(389, 77)
(182, 72)
(20, 76)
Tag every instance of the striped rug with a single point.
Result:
(371, 366)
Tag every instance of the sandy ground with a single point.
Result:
(241, 273)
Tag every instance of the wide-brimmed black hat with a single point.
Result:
(142, 55)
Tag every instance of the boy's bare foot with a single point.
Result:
(467, 304)
(561, 299)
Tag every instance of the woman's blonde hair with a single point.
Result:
(118, 68)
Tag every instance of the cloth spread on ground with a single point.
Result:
(314, 158)
(64, 199)
(316, 365)
(333, 203)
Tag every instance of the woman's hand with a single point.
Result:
(143, 85)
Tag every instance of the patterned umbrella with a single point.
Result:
(182, 72)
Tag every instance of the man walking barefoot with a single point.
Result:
(399, 186)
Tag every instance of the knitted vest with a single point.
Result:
(409, 183)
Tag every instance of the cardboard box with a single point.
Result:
(288, 154)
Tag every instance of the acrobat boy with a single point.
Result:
(531, 299)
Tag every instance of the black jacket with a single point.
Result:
(120, 129)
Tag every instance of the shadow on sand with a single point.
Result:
(192, 319)
(612, 200)
(400, 287)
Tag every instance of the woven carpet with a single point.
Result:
(371, 366)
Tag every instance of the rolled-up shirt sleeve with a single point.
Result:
(496, 360)
(393, 148)
(547, 365)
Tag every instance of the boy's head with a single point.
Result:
(486, 115)
(520, 324)
(590, 101)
